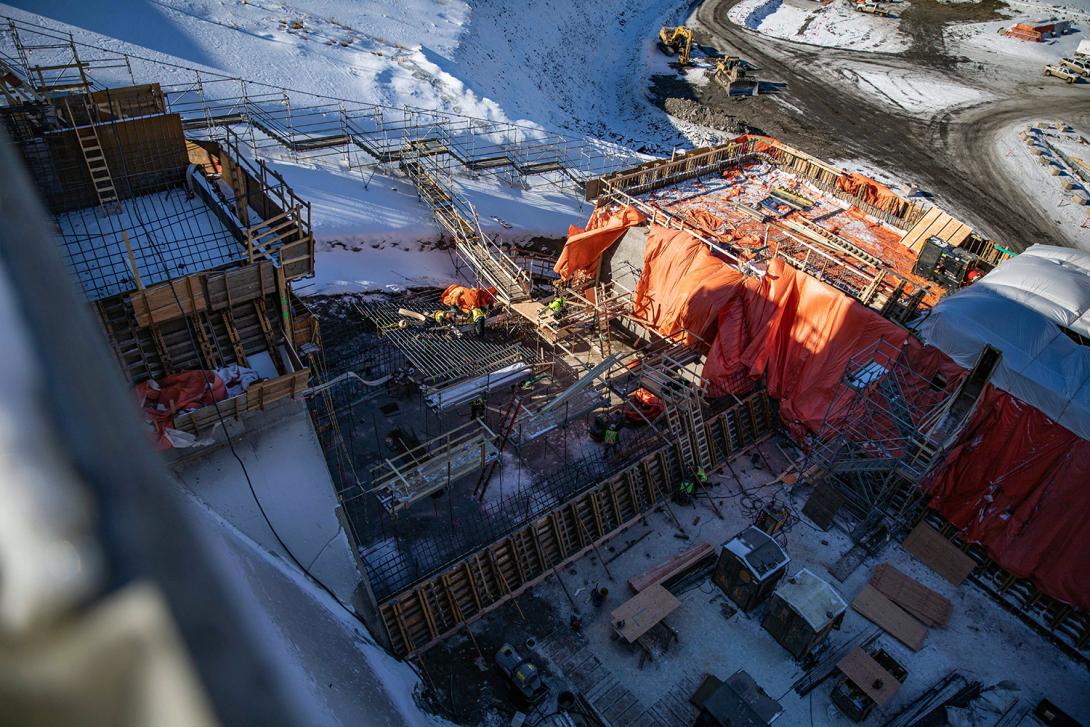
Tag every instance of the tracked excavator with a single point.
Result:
(676, 40)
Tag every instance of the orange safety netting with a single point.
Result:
(163, 398)
(871, 191)
(468, 298)
(683, 285)
(585, 246)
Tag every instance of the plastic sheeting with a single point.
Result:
(468, 298)
(177, 393)
(585, 246)
(868, 190)
(799, 334)
(683, 286)
(1016, 483)
(1018, 308)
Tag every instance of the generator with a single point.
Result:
(943, 263)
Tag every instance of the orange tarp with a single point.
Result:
(867, 189)
(468, 298)
(799, 334)
(183, 391)
(585, 246)
(683, 285)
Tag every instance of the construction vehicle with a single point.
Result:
(1061, 72)
(729, 69)
(1077, 65)
(676, 40)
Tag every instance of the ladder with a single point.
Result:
(95, 159)
(510, 416)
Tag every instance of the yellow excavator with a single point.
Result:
(677, 40)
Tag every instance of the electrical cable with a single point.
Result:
(209, 384)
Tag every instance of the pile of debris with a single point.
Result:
(697, 113)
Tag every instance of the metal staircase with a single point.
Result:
(457, 218)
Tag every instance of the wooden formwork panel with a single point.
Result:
(257, 397)
(202, 291)
(438, 606)
(149, 151)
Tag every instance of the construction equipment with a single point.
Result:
(945, 264)
(1077, 65)
(1061, 72)
(676, 40)
(728, 70)
(522, 673)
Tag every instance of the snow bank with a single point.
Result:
(380, 236)
(836, 24)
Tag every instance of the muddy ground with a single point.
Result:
(949, 154)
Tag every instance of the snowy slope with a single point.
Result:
(563, 64)
(836, 24)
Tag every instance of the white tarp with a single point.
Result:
(1019, 308)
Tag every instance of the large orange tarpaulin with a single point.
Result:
(468, 298)
(799, 334)
(867, 189)
(585, 246)
(1016, 482)
(683, 286)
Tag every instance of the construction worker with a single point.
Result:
(478, 316)
(684, 494)
(477, 408)
(611, 436)
(700, 475)
(556, 306)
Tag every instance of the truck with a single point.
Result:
(1077, 65)
(1061, 72)
(1083, 51)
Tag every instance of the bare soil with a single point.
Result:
(949, 154)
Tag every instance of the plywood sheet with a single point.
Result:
(639, 614)
(939, 554)
(930, 608)
(892, 618)
(869, 675)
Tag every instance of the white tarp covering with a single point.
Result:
(1019, 308)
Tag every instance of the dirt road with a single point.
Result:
(951, 154)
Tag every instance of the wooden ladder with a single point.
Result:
(95, 158)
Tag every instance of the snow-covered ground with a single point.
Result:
(1022, 159)
(917, 93)
(984, 40)
(836, 24)
(380, 236)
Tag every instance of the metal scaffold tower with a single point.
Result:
(887, 428)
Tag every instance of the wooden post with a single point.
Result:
(132, 260)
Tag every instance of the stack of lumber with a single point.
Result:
(676, 566)
(902, 606)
